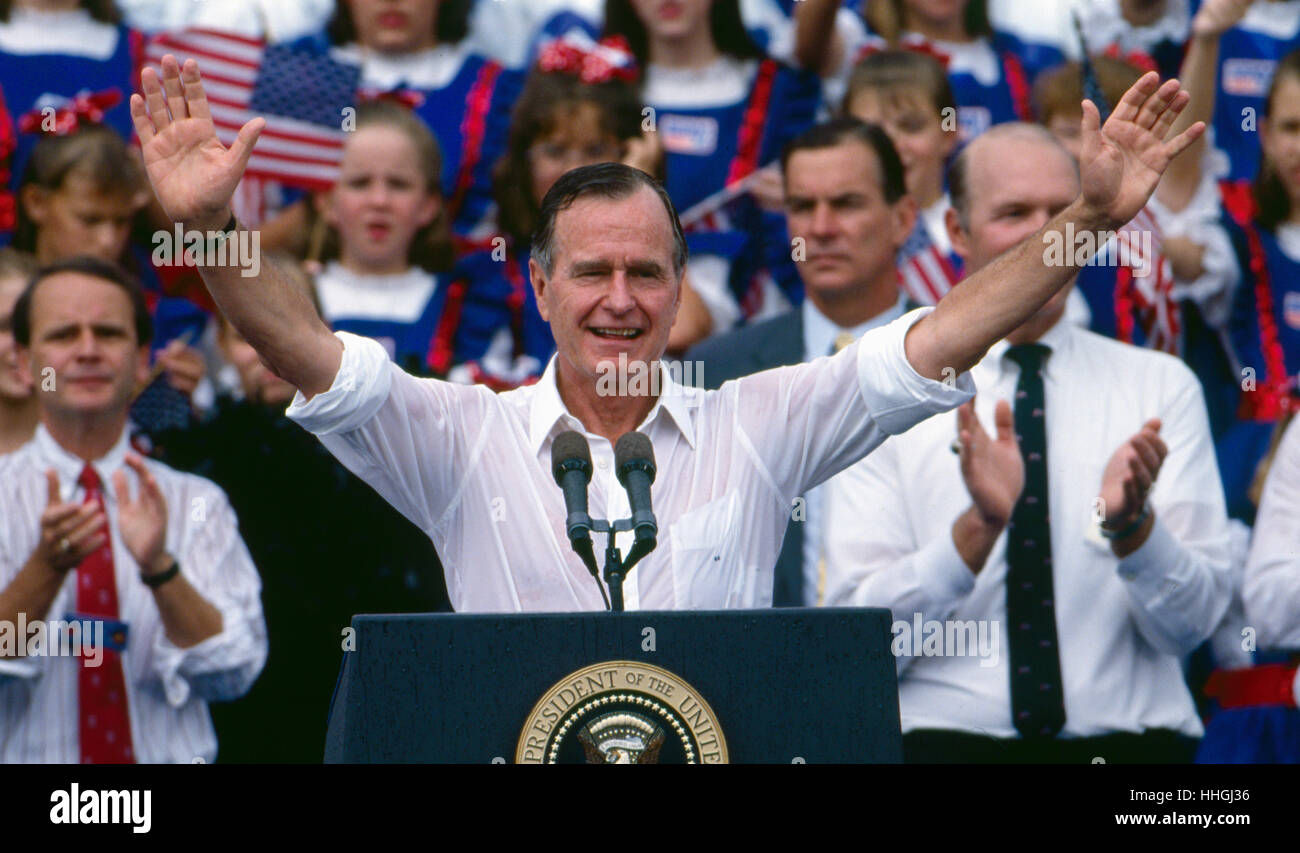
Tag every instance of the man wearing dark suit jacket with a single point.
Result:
(848, 214)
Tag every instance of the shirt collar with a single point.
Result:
(50, 454)
(549, 415)
(1058, 339)
(819, 332)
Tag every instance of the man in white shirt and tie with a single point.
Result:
(1049, 533)
(127, 598)
(472, 468)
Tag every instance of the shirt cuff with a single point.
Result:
(222, 667)
(1145, 567)
(13, 669)
(360, 387)
(896, 395)
(941, 571)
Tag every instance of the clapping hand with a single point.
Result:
(1130, 474)
(991, 467)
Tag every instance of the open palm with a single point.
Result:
(193, 175)
(1121, 163)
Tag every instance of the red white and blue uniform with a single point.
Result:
(464, 99)
(718, 126)
(428, 323)
(49, 59)
(1248, 55)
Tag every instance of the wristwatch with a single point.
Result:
(157, 580)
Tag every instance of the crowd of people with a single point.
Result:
(1122, 497)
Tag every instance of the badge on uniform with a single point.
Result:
(693, 135)
(1291, 309)
(1248, 77)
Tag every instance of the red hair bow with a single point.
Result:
(912, 45)
(609, 59)
(86, 108)
(1136, 58)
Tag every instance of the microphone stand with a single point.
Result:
(616, 568)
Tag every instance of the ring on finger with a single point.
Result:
(65, 545)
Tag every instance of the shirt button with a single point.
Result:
(602, 464)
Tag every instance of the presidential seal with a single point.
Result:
(621, 712)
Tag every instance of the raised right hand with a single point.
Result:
(70, 532)
(193, 175)
(992, 468)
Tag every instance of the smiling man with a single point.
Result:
(92, 534)
(472, 468)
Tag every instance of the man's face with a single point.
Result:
(394, 26)
(1009, 205)
(835, 204)
(79, 219)
(83, 329)
(13, 385)
(613, 290)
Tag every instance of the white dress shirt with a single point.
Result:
(1122, 624)
(819, 335)
(473, 469)
(167, 687)
(1272, 585)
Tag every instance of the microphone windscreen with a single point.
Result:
(633, 446)
(567, 446)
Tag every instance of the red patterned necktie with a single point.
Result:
(105, 723)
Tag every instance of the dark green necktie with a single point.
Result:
(1037, 699)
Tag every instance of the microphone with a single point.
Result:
(634, 461)
(571, 467)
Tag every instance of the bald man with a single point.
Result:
(1052, 549)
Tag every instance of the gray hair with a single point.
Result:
(613, 181)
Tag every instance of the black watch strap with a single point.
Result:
(155, 581)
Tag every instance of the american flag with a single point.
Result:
(301, 93)
(924, 273)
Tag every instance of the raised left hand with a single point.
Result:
(183, 365)
(1121, 163)
(142, 521)
(1130, 474)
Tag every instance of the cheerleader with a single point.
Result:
(64, 66)
(1150, 34)
(991, 72)
(908, 94)
(381, 233)
(421, 50)
(722, 110)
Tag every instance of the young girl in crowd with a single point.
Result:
(573, 112)
(463, 97)
(991, 72)
(18, 416)
(383, 238)
(80, 194)
(907, 93)
(722, 111)
(62, 62)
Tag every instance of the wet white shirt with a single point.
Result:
(473, 469)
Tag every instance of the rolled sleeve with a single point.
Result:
(360, 388)
(223, 667)
(897, 396)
